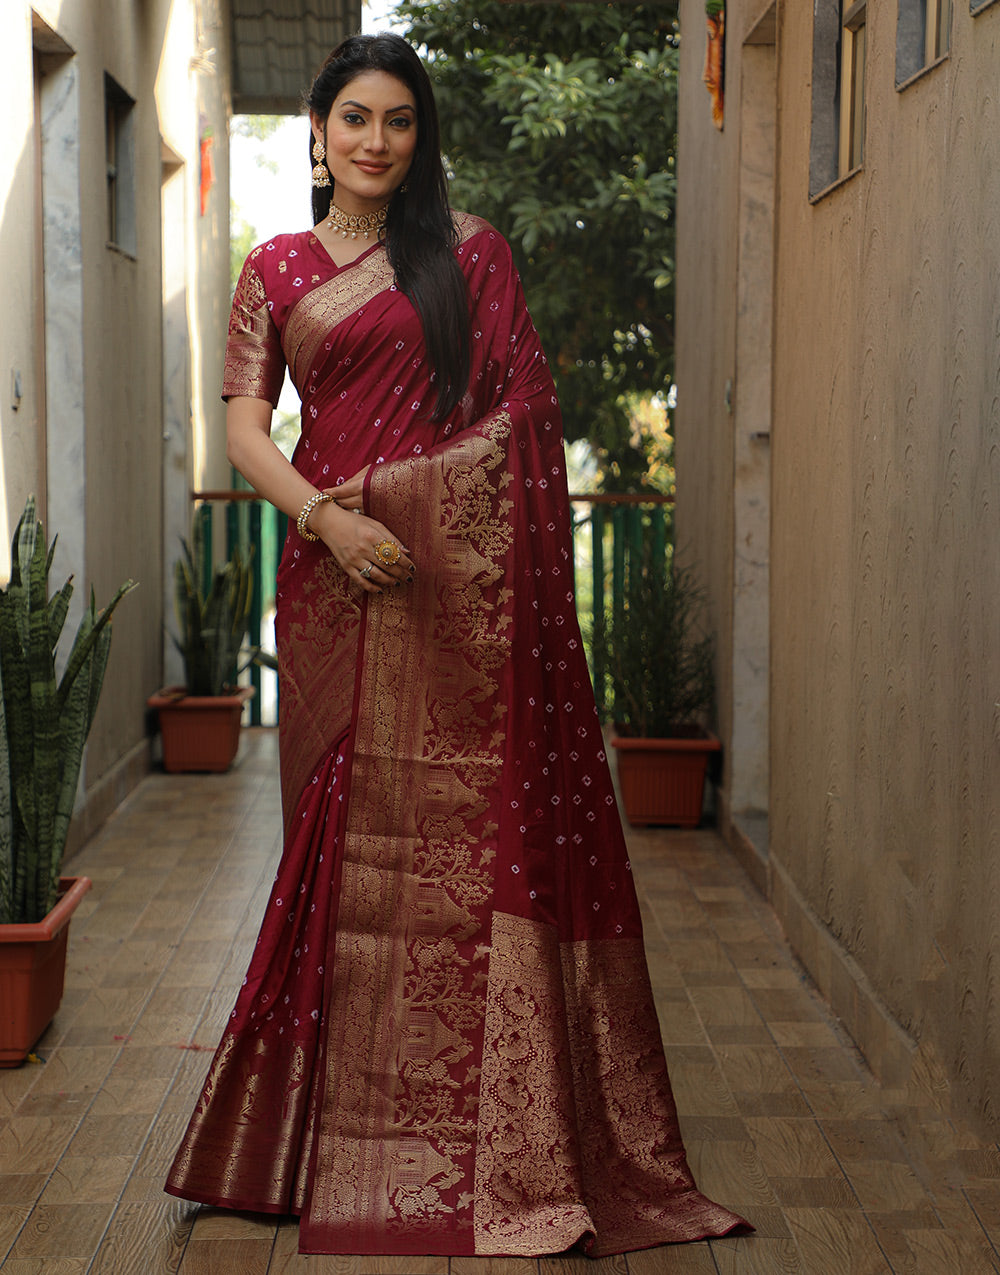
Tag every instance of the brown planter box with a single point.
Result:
(33, 971)
(200, 732)
(662, 781)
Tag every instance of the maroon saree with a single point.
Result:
(446, 1040)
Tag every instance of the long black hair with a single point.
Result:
(419, 231)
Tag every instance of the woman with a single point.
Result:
(446, 1041)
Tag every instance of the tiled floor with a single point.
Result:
(782, 1121)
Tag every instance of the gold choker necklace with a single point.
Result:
(356, 224)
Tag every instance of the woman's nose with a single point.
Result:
(376, 138)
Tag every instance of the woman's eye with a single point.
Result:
(401, 121)
(352, 117)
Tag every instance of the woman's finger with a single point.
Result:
(386, 551)
(375, 579)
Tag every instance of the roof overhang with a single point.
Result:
(279, 45)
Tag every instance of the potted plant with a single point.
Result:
(200, 721)
(660, 666)
(44, 723)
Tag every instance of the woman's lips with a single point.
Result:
(375, 169)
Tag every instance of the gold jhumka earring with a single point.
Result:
(321, 174)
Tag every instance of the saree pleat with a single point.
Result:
(481, 1071)
(249, 1141)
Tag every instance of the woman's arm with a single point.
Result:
(350, 537)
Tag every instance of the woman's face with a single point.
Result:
(371, 134)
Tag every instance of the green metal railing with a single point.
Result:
(247, 521)
(610, 530)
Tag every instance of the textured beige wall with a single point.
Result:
(885, 543)
(705, 353)
(20, 463)
(103, 467)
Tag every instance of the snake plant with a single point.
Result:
(44, 720)
(658, 656)
(213, 624)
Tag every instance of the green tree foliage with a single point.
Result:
(559, 126)
(260, 127)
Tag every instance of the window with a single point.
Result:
(119, 139)
(923, 35)
(853, 47)
(838, 91)
(938, 34)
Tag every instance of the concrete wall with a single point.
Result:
(84, 325)
(884, 600)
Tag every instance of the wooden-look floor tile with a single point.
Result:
(574, 1263)
(838, 1241)
(768, 1221)
(12, 1219)
(852, 1100)
(56, 1103)
(789, 1005)
(494, 1266)
(792, 1147)
(402, 1266)
(679, 1024)
(754, 1255)
(35, 1144)
(812, 1035)
(46, 1266)
(883, 1185)
(683, 1259)
(226, 1224)
(699, 1086)
(15, 1085)
(160, 1147)
(819, 1068)
(984, 1203)
(696, 954)
(62, 1230)
(936, 1252)
(83, 1179)
(770, 975)
(287, 1260)
(791, 1102)
(72, 1070)
(21, 1188)
(148, 1238)
(833, 1192)
(110, 1135)
(730, 1173)
(127, 1095)
(218, 1257)
(720, 1003)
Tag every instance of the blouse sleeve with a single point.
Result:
(255, 364)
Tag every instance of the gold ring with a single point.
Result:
(387, 553)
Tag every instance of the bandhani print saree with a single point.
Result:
(446, 1041)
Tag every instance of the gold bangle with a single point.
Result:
(317, 498)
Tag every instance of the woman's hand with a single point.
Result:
(352, 538)
(351, 494)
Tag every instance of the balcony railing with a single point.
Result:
(609, 531)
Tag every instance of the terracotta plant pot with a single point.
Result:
(662, 781)
(200, 732)
(32, 973)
